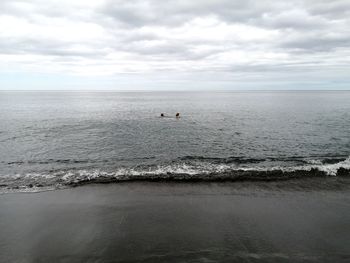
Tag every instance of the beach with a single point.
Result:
(152, 131)
(285, 221)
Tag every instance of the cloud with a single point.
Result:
(213, 37)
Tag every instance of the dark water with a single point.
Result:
(55, 139)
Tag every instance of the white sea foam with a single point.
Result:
(199, 169)
(32, 182)
(332, 169)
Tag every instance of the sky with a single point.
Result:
(174, 45)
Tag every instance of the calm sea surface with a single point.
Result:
(54, 139)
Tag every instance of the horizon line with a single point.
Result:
(155, 90)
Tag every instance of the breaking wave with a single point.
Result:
(197, 169)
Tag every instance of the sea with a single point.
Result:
(58, 139)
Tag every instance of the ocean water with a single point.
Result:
(51, 140)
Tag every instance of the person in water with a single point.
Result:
(177, 115)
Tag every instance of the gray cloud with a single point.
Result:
(316, 43)
(148, 36)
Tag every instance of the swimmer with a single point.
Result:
(177, 115)
(162, 115)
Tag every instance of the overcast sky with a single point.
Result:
(163, 44)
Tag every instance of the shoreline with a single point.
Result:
(296, 183)
(177, 222)
(314, 178)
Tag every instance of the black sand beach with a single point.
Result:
(292, 221)
(174, 131)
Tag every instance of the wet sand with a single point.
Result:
(177, 222)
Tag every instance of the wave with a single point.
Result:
(249, 160)
(199, 170)
(239, 160)
(72, 161)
